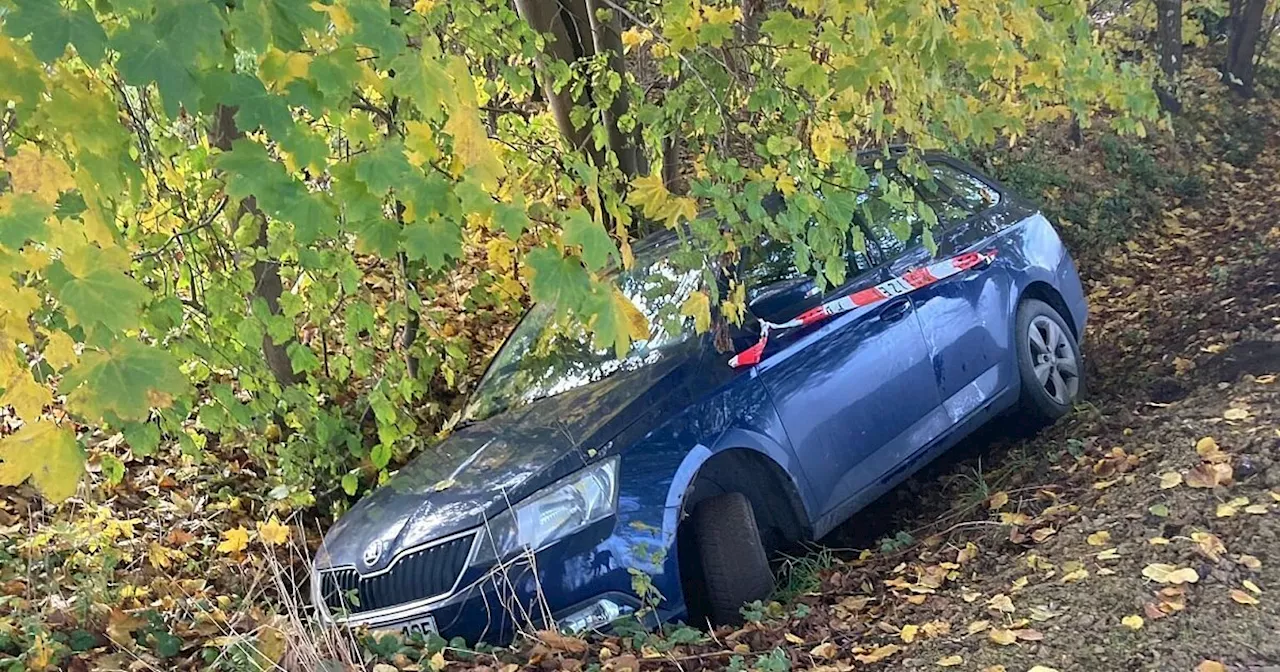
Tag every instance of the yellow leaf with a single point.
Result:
(998, 501)
(1242, 597)
(635, 37)
(978, 626)
(908, 633)
(698, 306)
(60, 350)
(1002, 637)
(1207, 446)
(470, 142)
(273, 532)
(878, 654)
(1250, 561)
(45, 453)
(278, 68)
(1256, 509)
(420, 142)
(1225, 511)
(33, 172)
(826, 139)
(1075, 575)
(21, 391)
(793, 638)
(1132, 621)
(1099, 538)
(1170, 479)
(234, 540)
(1253, 587)
(1042, 668)
(437, 662)
(950, 661)
(1001, 602)
(41, 654)
(1235, 413)
(826, 650)
(655, 202)
(1210, 666)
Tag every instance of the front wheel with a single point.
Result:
(735, 567)
(1049, 362)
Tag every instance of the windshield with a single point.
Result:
(546, 356)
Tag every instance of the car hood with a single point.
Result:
(473, 474)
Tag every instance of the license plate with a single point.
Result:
(421, 627)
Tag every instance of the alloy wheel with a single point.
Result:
(1054, 360)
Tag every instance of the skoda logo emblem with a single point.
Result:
(374, 551)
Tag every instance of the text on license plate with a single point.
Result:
(421, 627)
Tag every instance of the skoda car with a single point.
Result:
(585, 486)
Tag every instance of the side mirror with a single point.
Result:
(783, 300)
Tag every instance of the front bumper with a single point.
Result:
(530, 592)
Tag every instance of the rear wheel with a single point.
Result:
(1049, 362)
(735, 567)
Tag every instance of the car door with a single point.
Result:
(962, 317)
(855, 394)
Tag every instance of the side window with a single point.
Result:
(887, 214)
(956, 195)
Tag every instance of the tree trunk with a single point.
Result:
(1169, 35)
(544, 17)
(266, 273)
(1242, 44)
(606, 38)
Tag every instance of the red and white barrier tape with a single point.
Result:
(903, 284)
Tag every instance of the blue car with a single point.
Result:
(586, 486)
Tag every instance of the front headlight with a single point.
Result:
(552, 513)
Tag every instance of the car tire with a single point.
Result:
(735, 567)
(1049, 362)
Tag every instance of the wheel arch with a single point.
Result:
(1043, 291)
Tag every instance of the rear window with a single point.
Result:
(956, 195)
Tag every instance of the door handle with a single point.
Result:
(895, 311)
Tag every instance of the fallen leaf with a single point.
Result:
(969, 552)
(1209, 545)
(1109, 554)
(908, 633)
(1242, 597)
(1257, 509)
(1235, 413)
(1207, 446)
(1225, 511)
(1099, 538)
(1158, 541)
(1210, 666)
(272, 532)
(1002, 637)
(1043, 533)
(234, 540)
(1208, 475)
(793, 638)
(1253, 587)
(1028, 635)
(826, 650)
(1170, 479)
(1075, 575)
(1001, 602)
(878, 654)
(950, 661)
(998, 501)
(1132, 621)
(560, 642)
(978, 626)
(1162, 573)
(1042, 668)
(1250, 561)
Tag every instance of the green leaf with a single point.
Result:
(784, 28)
(143, 438)
(420, 80)
(373, 29)
(379, 236)
(380, 455)
(350, 483)
(125, 382)
(597, 246)
(615, 321)
(431, 196)
(278, 22)
(302, 359)
(434, 240)
(511, 217)
(384, 167)
(23, 219)
(256, 107)
(146, 58)
(335, 74)
(104, 296)
(52, 26)
(560, 281)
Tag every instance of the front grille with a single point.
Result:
(418, 575)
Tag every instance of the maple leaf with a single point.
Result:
(126, 381)
(273, 532)
(597, 247)
(234, 540)
(52, 27)
(470, 142)
(20, 389)
(434, 241)
(31, 171)
(698, 306)
(47, 454)
(22, 218)
(60, 350)
(147, 56)
(103, 296)
(615, 320)
(558, 280)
